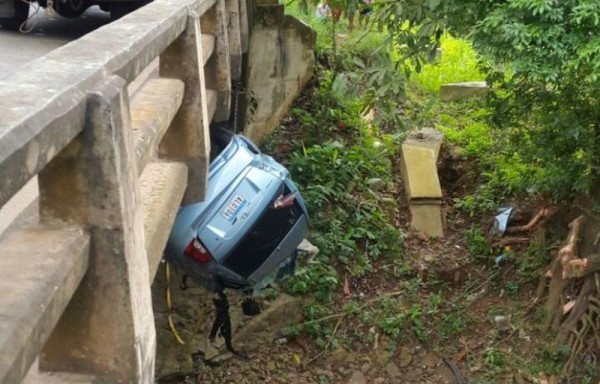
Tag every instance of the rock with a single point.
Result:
(430, 360)
(338, 356)
(389, 206)
(428, 257)
(365, 367)
(393, 370)
(463, 91)
(376, 184)
(379, 380)
(308, 249)
(382, 359)
(357, 377)
(405, 356)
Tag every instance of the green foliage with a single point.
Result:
(478, 244)
(494, 359)
(348, 219)
(458, 63)
(549, 101)
(317, 278)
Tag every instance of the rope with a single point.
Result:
(170, 306)
(22, 27)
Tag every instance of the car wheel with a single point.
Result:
(119, 9)
(220, 137)
(21, 15)
(70, 9)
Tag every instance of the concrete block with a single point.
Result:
(463, 91)
(234, 38)
(218, 68)
(275, 86)
(208, 47)
(427, 138)
(152, 110)
(419, 168)
(187, 139)
(40, 269)
(420, 153)
(427, 218)
(162, 186)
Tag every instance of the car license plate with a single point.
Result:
(234, 207)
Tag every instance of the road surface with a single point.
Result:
(48, 31)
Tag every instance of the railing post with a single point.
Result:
(234, 38)
(217, 69)
(108, 327)
(188, 137)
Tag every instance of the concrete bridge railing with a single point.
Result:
(113, 168)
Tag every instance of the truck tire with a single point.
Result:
(21, 15)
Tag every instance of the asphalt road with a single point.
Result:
(48, 31)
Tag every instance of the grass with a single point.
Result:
(458, 63)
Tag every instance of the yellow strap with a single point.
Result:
(171, 322)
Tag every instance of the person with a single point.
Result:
(351, 11)
(365, 11)
(322, 13)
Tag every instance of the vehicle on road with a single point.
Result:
(13, 13)
(249, 226)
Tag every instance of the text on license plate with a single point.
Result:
(233, 207)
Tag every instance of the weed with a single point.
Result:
(494, 359)
(477, 242)
(458, 62)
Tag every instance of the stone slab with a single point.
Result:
(427, 138)
(35, 376)
(427, 218)
(463, 91)
(152, 110)
(162, 186)
(419, 170)
(44, 265)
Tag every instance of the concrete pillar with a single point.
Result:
(217, 69)
(420, 153)
(187, 139)
(234, 38)
(108, 327)
(244, 25)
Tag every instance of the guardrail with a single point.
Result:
(113, 169)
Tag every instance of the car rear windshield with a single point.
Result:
(264, 237)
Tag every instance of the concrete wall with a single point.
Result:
(280, 62)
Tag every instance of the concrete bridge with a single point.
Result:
(113, 167)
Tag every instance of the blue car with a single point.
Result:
(247, 229)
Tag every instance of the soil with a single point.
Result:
(485, 328)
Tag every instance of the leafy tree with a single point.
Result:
(542, 58)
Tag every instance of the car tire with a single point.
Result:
(21, 15)
(119, 9)
(68, 10)
(220, 137)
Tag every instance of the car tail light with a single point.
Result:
(198, 252)
(284, 201)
